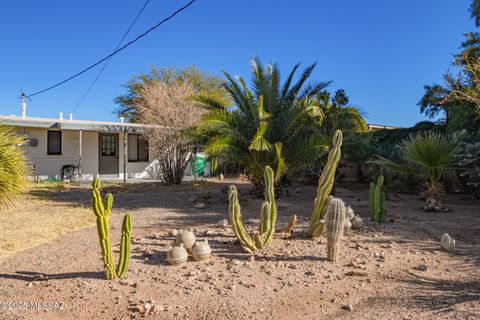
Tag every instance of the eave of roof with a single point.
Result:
(66, 124)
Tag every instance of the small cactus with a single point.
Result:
(102, 212)
(325, 185)
(334, 224)
(268, 216)
(377, 201)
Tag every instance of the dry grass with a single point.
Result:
(36, 218)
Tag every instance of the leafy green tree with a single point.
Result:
(203, 84)
(340, 116)
(272, 123)
(13, 166)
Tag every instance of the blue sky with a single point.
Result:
(381, 52)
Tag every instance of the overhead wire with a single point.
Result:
(114, 52)
(108, 60)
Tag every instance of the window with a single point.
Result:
(137, 148)
(54, 142)
(108, 145)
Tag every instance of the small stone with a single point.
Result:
(222, 223)
(348, 307)
(200, 205)
(147, 307)
(422, 267)
(192, 199)
(252, 258)
(173, 233)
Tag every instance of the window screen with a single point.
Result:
(54, 142)
(108, 145)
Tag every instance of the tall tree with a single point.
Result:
(203, 84)
(273, 123)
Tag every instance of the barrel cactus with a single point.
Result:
(268, 216)
(102, 211)
(325, 185)
(334, 224)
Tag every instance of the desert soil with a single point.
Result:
(392, 271)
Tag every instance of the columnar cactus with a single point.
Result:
(334, 223)
(268, 216)
(377, 201)
(102, 212)
(325, 185)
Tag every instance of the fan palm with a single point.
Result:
(271, 123)
(431, 153)
(13, 166)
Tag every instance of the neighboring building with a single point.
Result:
(376, 127)
(113, 150)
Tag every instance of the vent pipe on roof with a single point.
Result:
(122, 119)
(24, 106)
(60, 115)
(71, 116)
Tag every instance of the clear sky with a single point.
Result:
(381, 52)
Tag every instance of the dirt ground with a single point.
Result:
(391, 271)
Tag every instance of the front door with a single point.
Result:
(108, 153)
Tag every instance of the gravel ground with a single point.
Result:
(391, 271)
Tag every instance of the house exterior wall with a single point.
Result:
(49, 166)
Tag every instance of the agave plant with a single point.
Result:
(429, 153)
(13, 166)
(272, 123)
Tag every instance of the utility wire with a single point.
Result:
(116, 51)
(108, 60)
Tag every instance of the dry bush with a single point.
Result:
(169, 111)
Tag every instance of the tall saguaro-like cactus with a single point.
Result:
(334, 222)
(377, 201)
(268, 216)
(102, 212)
(325, 185)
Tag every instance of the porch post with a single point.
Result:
(125, 154)
(80, 150)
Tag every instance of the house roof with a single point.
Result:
(66, 124)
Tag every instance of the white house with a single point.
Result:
(113, 150)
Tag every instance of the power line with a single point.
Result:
(108, 60)
(116, 51)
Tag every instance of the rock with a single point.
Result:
(220, 177)
(222, 223)
(200, 205)
(173, 233)
(447, 242)
(192, 199)
(357, 222)
(347, 225)
(422, 267)
(349, 214)
(348, 307)
(147, 307)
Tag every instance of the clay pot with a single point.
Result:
(177, 255)
(187, 238)
(201, 251)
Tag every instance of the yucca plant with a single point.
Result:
(429, 153)
(13, 166)
(271, 124)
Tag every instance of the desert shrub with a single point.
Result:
(469, 173)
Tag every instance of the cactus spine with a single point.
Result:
(102, 212)
(377, 201)
(335, 220)
(268, 216)
(325, 185)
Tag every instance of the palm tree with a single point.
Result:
(429, 153)
(339, 115)
(13, 166)
(271, 123)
